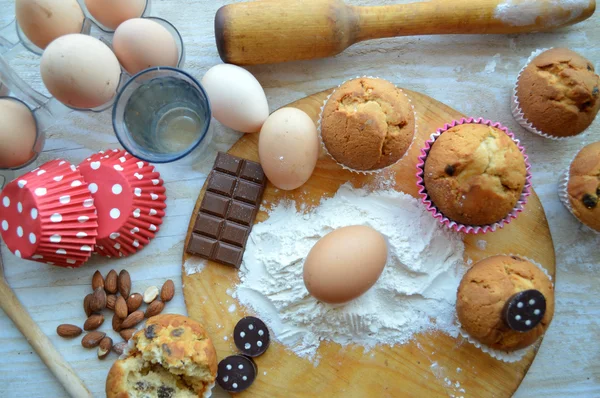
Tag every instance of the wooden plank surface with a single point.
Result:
(472, 74)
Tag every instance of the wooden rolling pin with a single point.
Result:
(270, 31)
(39, 341)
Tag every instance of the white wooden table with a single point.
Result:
(473, 74)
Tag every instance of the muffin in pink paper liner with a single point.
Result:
(479, 176)
(48, 215)
(130, 198)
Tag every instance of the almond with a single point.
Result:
(97, 280)
(111, 300)
(133, 319)
(150, 294)
(134, 302)
(116, 323)
(168, 291)
(86, 305)
(110, 283)
(98, 301)
(119, 348)
(124, 284)
(154, 308)
(92, 339)
(126, 334)
(104, 347)
(93, 322)
(121, 308)
(68, 331)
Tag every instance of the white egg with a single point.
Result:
(237, 99)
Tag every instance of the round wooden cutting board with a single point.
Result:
(431, 365)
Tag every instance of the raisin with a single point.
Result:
(449, 170)
(166, 349)
(517, 258)
(595, 91)
(598, 191)
(177, 332)
(149, 332)
(141, 386)
(589, 201)
(589, 67)
(165, 392)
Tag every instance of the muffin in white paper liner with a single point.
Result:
(365, 172)
(563, 195)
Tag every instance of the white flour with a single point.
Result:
(525, 12)
(415, 293)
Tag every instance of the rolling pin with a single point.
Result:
(271, 31)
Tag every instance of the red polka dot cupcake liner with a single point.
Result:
(455, 226)
(48, 215)
(130, 200)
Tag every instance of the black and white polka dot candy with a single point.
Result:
(236, 373)
(251, 336)
(524, 310)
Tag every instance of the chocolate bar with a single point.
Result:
(227, 213)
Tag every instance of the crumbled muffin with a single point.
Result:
(171, 357)
(485, 289)
(367, 124)
(584, 186)
(559, 93)
(475, 174)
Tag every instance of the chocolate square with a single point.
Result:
(215, 204)
(208, 225)
(229, 254)
(235, 234)
(221, 183)
(241, 212)
(228, 164)
(201, 245)
(248, 192)
(252, 171)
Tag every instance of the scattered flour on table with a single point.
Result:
(415, 293)
(526, 12)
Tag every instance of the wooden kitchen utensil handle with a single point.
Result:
(41, 343)
(270, 31)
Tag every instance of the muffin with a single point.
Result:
(171, 357)
(367, 124)
(475, 174)
(581, 188)
(482, 300)
(557, 94)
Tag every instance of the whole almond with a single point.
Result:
(154, 308)
(104, 347)
(97, 280)
(98, 301)
(124, 284)
(119, 348)
(111, 300)
(134, 302)
(86, 305)
(92, 339)
(93, 322)
(68, 331)
(110, 283)
(133, 319)
(126, 334)
(121, 308)
(168, 291)
(116, 323)
(150, 294)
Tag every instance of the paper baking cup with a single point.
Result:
(563, 195)
(48, 215)
(366, 172)
(130, 198)
(470, 229)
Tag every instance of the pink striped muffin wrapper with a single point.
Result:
(436, 213)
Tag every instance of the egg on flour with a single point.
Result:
(80, 71)
(345, 263)
(112, 13)
(141, 43)
(42, 21)
(237, 99)
(18, 132)
(288, 147)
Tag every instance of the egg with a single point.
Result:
(345, 263)
(80, 71)
(18, 132)
(112, 13)
(288, 147)
(237, 99)
(143, 43)
(45, 20)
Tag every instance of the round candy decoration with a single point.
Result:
(236, 373)
(524, 310)
(251, 336)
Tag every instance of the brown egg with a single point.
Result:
(17, 133)
(345, 263)
(112, 13)
(45, 20)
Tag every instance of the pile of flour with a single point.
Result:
(415, 293)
